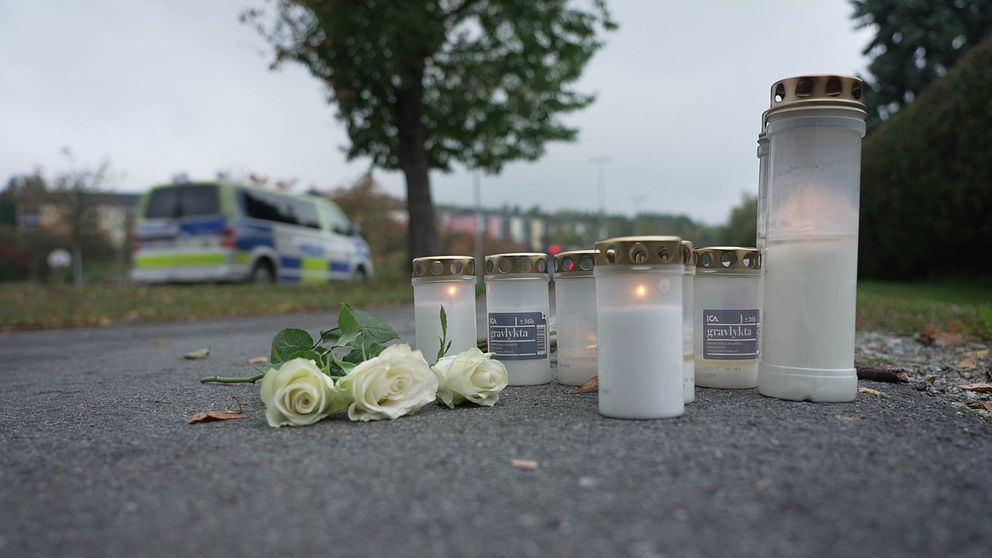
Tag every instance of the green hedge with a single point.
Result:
(926, 180)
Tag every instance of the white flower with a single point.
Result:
(298, 393)
(470, 375)
(397, 382)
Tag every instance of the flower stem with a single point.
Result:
(232, 379)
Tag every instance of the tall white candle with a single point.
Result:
(815, 126)
(640, 323)
(447, 281)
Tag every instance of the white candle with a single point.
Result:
(447, 281)
(640, 323)
(815, 126)
(517, 310)
(575, 306)
(640, 362)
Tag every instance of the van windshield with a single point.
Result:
(190, 200)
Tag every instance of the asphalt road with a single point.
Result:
(96, 459)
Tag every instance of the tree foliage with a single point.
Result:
(422, 84)
(926, 198)
(915, 42)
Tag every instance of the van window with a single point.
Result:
(270, 206)
(339, 223)
(190, 200)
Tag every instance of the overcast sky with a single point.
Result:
(160, 87)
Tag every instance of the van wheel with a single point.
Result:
(360, 274)
(263, 273)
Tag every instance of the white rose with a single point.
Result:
(470, 375)
(298, 393)
(397, 382)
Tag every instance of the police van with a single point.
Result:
(223, 231)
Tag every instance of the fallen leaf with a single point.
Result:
(259, 360)
(970, 360)
(984, 405)
(590, 385)
(879, 374)
(933, 336)
(978, 388)
(870, 391)
(524, 464)
(211, 416)
(197, 354)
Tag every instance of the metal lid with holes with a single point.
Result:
(821, 90)
(518, 264)
(688, 254)
(730, 259)
(430, 267)
(577, 263)
(763, 134)
(639, 250)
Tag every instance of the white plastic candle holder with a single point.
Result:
(447, 281)
(517, 307)
(762, 224)
(815, 126)
(575, 314)
(727, 317)
(688, 349)
(639, 314)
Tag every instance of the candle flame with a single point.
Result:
(641, 291)
(452, 290)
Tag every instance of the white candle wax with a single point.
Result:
(809, 313)
(517, 315)
(575, 304)
(640, 361)
(458, 298)
(461, 326)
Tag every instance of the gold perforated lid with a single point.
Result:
(443, 266)
(639, 250)
(818, 90)
(688, 254)
(728, 259)
(575, 263)
(533, 264)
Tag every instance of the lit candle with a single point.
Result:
(447, 281)
(727, 317)
(517, 307)
(575, 313)
(639, 314)
(815, 126)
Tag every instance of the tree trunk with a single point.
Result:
(422, 237)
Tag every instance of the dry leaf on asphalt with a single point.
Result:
(933, 336)
(211, 416)
(986, 405)
(970, 360)
(197, 354)
(524, 464)
(978, 388)
(870, 391)
(259, 360)
(590, 385)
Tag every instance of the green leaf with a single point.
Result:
(307, 354)
(288, 342)
(373, 328)
(347, 339)
(444, 323)
(330, 334)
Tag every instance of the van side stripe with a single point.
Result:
(289, 262)
(179, 260)
(339, 266)
(251, 242)
(212, 225)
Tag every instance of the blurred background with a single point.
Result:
(453, 126)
